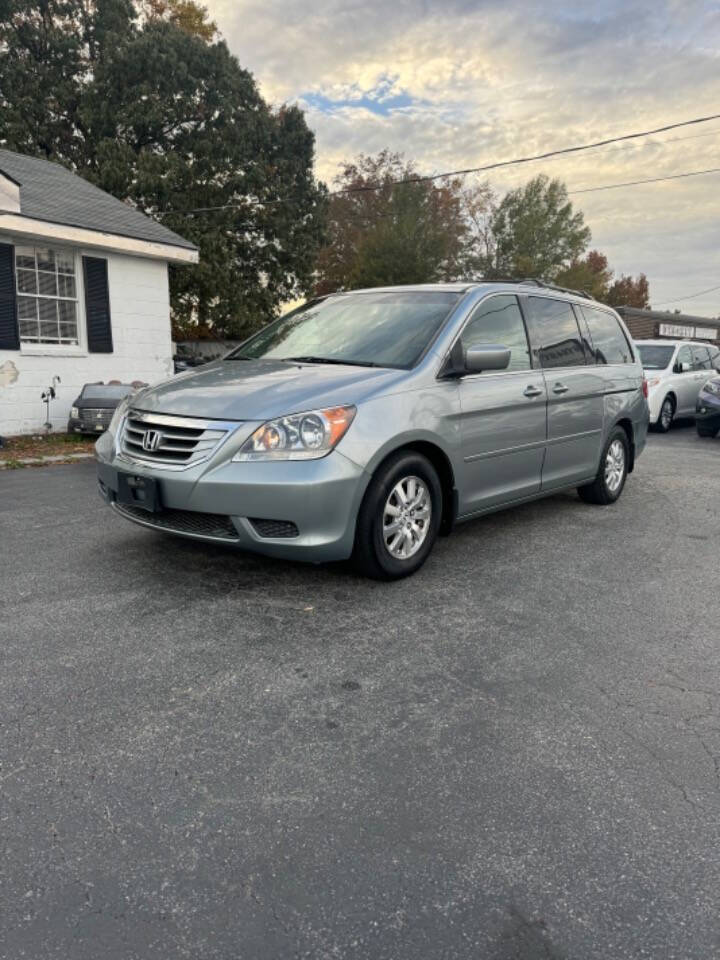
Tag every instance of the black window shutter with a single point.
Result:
(9, 335)
(97, 305)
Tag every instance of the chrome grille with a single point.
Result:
(172, 441)
(96, 414)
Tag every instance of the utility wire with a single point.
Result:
(635, 183)
(370, 188)
(539, 156)
(605, 186)
(690, 296)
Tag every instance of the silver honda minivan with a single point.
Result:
(364, 424)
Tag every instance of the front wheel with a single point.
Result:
(399, 518)
(706, 431)
(610, 480)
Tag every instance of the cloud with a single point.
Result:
(460, 83)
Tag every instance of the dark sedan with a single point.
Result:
(92, 411)
(707, 409)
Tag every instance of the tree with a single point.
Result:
(151, 110)
(629, 292)
(188, 16)
(593, 275)
(382, 234)
(535, 232)
(590, 274)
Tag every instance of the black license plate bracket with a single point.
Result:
(137, 491)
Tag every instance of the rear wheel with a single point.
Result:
(399, 518)
(610, 480)
(666, 415)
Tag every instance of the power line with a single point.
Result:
(690, 296)
(605, 186)
(539, 156)
(635, 183)
(368, 188)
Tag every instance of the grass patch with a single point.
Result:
(43, 445)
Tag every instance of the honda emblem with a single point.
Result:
(151, 440)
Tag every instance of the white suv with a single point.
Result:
(675, 371)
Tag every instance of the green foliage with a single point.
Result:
(629, 292)
(189, 16)
(535, 232)
(381, 235)
(153, 112)
(590, 274)
(593, 275)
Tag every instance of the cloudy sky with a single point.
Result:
(463, 83)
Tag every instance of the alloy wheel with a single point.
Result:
(406, 517)
(614, 466)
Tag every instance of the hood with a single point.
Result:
(262, 389)
(101, 403)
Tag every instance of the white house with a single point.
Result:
(83, 290)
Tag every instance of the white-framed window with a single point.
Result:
(47, 301)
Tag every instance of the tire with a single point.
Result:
(666, 415)
(704, 431)
(609, 483)
(378, 549)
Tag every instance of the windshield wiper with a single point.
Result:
(344, 363)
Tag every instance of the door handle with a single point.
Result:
(531, 391)
(560, 388)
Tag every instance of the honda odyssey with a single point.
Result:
(364, 424)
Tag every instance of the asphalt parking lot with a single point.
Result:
(513, 755)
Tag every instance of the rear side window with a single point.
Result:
(684, 356)
(609, 342)
(701, 358)
(556, 334)
(498, 320)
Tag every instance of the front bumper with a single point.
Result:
(320, 497)
(89, 427)
(707, 408)
(655, 401)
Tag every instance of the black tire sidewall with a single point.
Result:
(659, 425)
(408, 463)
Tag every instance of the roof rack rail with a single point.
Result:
(537, 282)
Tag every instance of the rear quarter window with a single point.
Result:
(609, 343)
(556, 334)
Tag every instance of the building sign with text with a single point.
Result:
(681, 332)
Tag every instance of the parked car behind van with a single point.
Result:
(675, 371)
(364, 424)
(92, 409)
(707, 413)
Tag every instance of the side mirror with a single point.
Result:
(683, 367)
(486, 356)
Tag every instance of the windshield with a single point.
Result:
(654, 357)
(378, 329)
(110, 391)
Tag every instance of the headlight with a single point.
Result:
(120, 411)
(300, 436)
(74, 413)
(712, 386)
